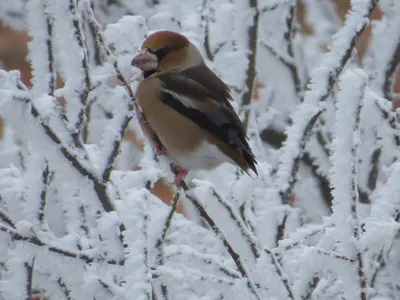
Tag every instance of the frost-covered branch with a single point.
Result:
(235, 256)
(345, 165)
(320, 87)
(64, 252)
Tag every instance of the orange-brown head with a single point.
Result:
(164, 51)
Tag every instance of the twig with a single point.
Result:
(147, 277)
(64, 252)
(6, 219)
(249, 237)
(159, 271)
(286, 192)
(235, 256)
(116, 145)
(46, 179)
(205, 18)
(29, 275)
(348, 130)
(288, 37)
(87, 87)
(167, 224)
(312, 98)
(50, 51)
(390, 73)
(251, 68)
(281, 273)
(375, 164)
(64, 288)
(332, 254)
(202, 257)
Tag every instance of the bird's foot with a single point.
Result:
(180, 175)
(160, 150)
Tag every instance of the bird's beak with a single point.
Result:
(145, 60)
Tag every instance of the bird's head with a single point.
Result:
(164, 51)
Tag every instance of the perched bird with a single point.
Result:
(187, 107)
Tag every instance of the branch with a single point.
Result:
(87, 85)
(235, 256)
(50, 52)
(281, 273)
(6, 219)
(202, 257)
(390, 73)
(64, 288)
(34, 240)
(246, 233)
(288, 37)
(46, 179)
(323, 81)
(345, 162)
(252, 37)
(29, 275)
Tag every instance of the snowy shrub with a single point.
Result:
(77, 218)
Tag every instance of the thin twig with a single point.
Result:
(322, 95)
(64, 252)
(390, 73)
(6, 219)
(251, 57)
(235, 256)
(288, 37)
(207, 259)
(46, 179)
(281, 273)
(87, 87)
(50, 51)
(249, 237)
(64, 288)
(29, 282)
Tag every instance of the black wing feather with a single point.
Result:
(201, 85)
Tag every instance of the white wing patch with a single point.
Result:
(187, 101)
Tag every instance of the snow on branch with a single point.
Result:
(87, 211)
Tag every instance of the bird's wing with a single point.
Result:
(199, 95)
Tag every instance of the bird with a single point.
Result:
(186, 108)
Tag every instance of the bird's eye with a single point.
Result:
(162, 53)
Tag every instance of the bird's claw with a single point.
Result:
(160, 150)
(180, 175)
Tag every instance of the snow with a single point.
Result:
(75, 195)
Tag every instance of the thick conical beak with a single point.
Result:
(145, 60)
